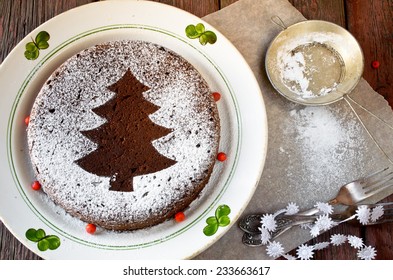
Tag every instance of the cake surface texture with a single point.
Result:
(124, 135)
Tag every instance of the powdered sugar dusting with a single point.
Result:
(63, 109)
(309, 66)
(328, 142)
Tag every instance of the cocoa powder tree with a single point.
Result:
(124, 141)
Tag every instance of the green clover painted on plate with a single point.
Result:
(44, 242)
(220, 219)
(40, 43)
(198, 31)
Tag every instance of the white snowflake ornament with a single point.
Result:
(367, 253)
(324, 222)
(338, 239)
(304, 252)
(274, 249)
(268, 222)
(314, 231)
(355, 241)
(363, 214)
(376, 213)
(265, 235)
(292, 209)
(324, 207)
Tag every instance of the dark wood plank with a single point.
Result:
(371, 22)
(18, 18)
(2, 245)
(382, 236)
(12, 249)
(225, 3)
(329, 10)
(198, 8)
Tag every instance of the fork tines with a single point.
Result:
(379, 180)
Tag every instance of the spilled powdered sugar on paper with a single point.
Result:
(326, 141)
(63, 109)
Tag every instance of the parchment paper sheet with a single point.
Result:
(312, 151)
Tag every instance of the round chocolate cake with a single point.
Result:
(124, 135)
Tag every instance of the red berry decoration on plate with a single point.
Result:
(36, 186)
(27, 120)
(180, 217)
(90, 228)
(221, 156)
(375, 64)
(216, 96)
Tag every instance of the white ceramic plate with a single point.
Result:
(243, 135)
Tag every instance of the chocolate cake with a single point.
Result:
(124, 135)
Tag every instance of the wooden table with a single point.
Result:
(371, 22)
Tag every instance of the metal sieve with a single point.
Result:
(314, 62)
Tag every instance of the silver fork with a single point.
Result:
(361, 189)
(348, 215)
(349, 194)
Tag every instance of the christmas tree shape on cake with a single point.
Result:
(125, 148)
